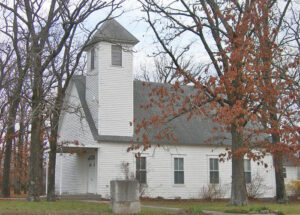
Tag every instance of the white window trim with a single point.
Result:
(111, 60)
(284, 172)
(248, 171)
(146, 161)
(146, 155)
(173, 170)
(208, 167)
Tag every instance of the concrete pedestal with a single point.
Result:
(124, 197)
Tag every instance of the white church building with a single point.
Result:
(96, 133)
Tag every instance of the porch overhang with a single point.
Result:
(76, 149)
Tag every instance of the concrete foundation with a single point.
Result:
(125, 197)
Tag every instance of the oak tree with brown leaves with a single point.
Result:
(240, 88)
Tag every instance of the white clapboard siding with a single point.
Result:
(73, 125)
(160, 175)
(71, 169)
(109, 95)
(115, 92)
(70, 174)
(291, 174)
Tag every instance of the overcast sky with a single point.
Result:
(131, 20)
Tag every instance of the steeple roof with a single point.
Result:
(112, 31)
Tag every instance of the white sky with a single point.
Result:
(131, 20)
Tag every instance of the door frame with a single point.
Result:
(92, 155)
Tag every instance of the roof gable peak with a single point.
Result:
(112, 31)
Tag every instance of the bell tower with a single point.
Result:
(109, 82)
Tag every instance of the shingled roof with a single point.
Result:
(114, 32)
(196, 131)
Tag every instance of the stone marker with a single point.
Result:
(124, 197)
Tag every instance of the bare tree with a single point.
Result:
(47, 27)
(165, 71)
(70, 62)
(17, 68)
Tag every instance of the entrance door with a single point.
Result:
(91, 174)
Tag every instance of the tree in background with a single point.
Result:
(164, 70)
(15, 67)
(279, 73)
(233, 93)
(42, 33)
(68, 63)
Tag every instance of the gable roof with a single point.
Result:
(114, 32)
(196, 131)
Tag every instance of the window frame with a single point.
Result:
(139, 170)
(119, 53)
(178, 170)
(92, 63)
(214, 170)
(284, 172)
(247, 171)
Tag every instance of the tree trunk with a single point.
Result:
(17, 181)
(6, 166)
(238, 185)
(16, 170)
(42, 174)
(278, 165)
(17, 187)
(51, 167)
(8, 148)
(275, 124)
(25, 158)
(36, 134)
(17, 184)
(34, 164)
(53, 146)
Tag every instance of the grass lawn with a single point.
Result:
(89, 208)
(197, 205)
(63, 208)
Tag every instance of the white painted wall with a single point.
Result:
(70, 174)
(116, 110)
(73, 125)
(71, 169)
(291, 174)
(160, 175)
(115, 92)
